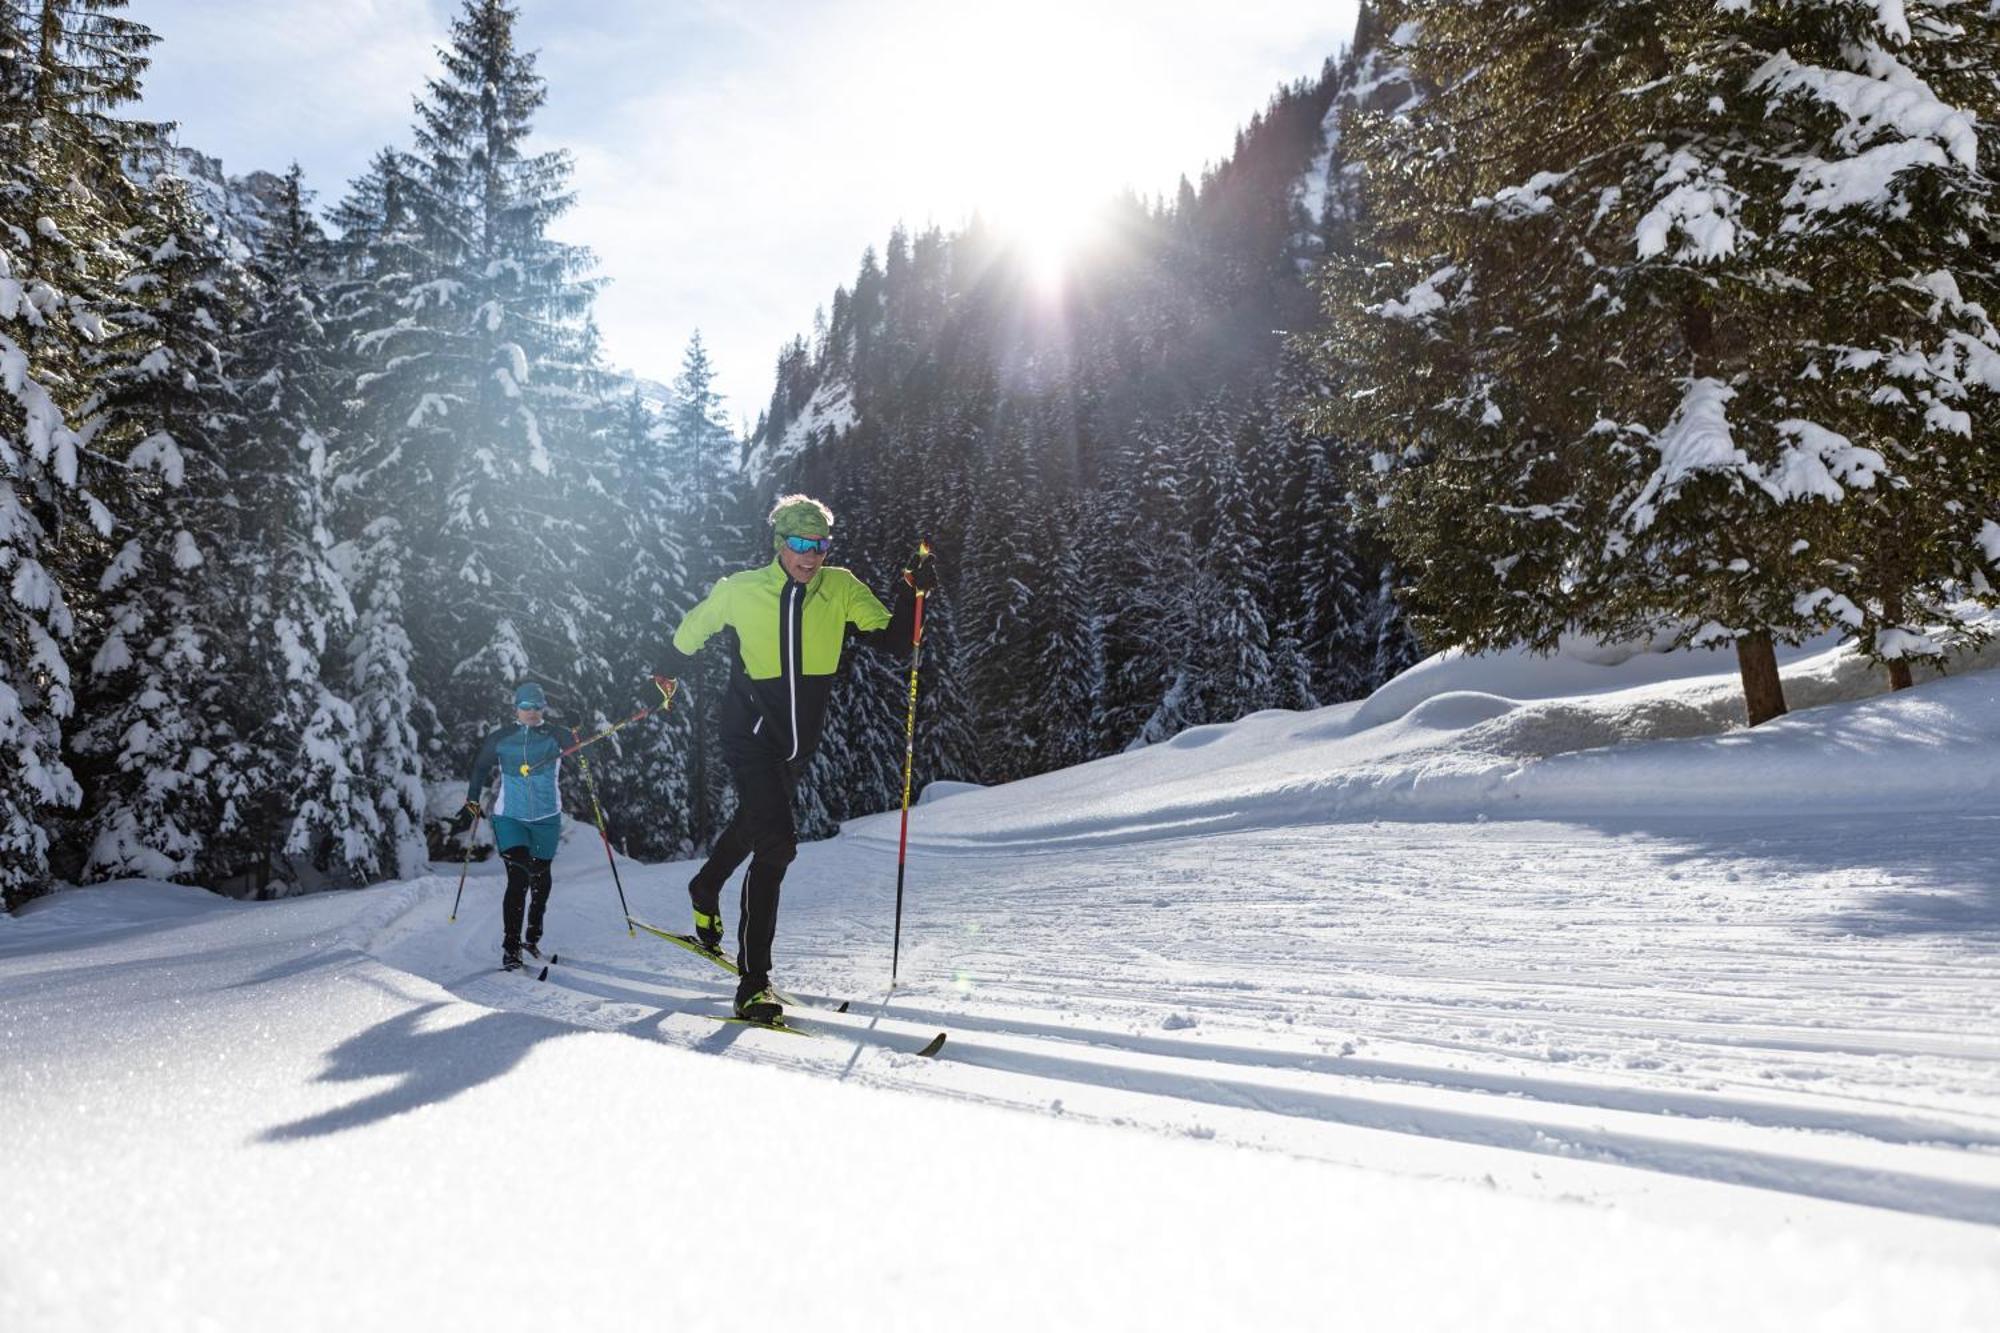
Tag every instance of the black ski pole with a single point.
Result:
(590, 784)
(666, 688)
(471, 835)
(909, 761)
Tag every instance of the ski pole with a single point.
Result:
(666, 688)
(909, 761)
(590, 784)
(471, 836)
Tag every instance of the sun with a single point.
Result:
(1055, 235)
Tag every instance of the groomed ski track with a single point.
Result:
(1568, 992)
(1670, 1068)
(1719, 1031)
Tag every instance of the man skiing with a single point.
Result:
(527, 816)
(790, 618)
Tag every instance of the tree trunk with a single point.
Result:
(1763, 691)
(1892, 611)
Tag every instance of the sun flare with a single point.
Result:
(1054, 237)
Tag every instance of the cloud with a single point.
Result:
(260, 83)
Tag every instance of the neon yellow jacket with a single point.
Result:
(788, 640)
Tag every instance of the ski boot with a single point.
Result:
(708, 930)
(510, 958)
(760, 1005)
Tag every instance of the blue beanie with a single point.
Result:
(529, 695)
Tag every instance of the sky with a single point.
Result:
(734, 157)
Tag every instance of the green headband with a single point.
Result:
(801, 518)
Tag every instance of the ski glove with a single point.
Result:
(462, 821)
(923, 578)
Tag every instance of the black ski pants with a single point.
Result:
(528, 884)
(762, 830)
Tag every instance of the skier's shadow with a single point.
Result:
(429, 1066)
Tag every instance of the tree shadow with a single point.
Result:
(429, 1065)
(1938, 874)
(298, 967)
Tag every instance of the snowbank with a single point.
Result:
(1592, 731)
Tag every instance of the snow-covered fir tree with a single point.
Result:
(1147, 562)
(67, 215)
(700, 471)
(1002, 617)
(468, 395)
(1713, 358)
(643, 778)
(169, 775)
(65, 70)
(377, 679)
(313, 804)
(1066, 674)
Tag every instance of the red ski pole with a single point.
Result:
(909, 764)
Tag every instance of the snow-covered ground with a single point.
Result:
(1526, 994)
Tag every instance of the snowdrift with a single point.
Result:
(1590, 731)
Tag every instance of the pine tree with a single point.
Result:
(377, 677)
(700, 451)
(1160, 617)
(1147, 557)
(645, 788)
(168, 774)
(1002, 617)
(66, 69)
(1684, 360)
(312, 801)
(470, 395)
(1066, 660)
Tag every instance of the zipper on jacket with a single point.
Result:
(789, 643)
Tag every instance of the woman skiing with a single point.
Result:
(527, 816)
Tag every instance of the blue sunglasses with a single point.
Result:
(805, 544)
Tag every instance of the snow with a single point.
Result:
(829, 413)
(428, 406)
(1315, 187)
(1894, 122)
(1886, 98)
(161, 454)
(1895, 23)
(1527, 200)
(1529, 993)
(1699, 204)
(1698, 439)
(1422, 299)
(1818, 461)
(33, 589)
(538, 454)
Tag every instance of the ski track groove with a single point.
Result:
(1751, 1053)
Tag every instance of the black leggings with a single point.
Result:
(761, 830)
(528, 885)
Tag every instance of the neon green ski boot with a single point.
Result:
(759, 1006)
(708, 929)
